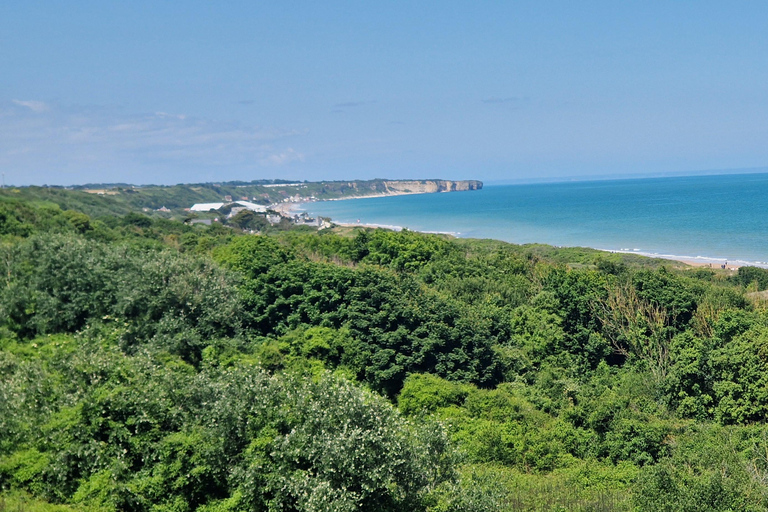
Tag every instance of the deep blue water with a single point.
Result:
(713, 218)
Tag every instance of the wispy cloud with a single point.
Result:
(35, 135)
(34, 106)
(172, 116)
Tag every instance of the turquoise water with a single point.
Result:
(710, 218)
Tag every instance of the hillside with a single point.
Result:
(147, 364)
(118, 199)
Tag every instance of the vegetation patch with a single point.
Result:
(148, 364)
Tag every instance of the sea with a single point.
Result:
(709, 219)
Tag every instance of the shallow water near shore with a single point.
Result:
(702, 218)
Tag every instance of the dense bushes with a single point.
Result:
(150, 365)
(60, 283)
(399, 326)
(125, 433)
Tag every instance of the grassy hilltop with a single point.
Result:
(147, 364)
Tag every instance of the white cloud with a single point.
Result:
(34, 106)
(176, 116)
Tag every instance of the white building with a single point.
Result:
(206, 207)
(250, 206)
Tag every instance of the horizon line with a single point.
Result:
(629, 176)
(486, 182)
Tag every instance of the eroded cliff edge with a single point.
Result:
(430, 186)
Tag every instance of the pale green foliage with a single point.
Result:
(347, 448)
(424, 393)
(133, 433)
(327, 445)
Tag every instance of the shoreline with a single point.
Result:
(454, 234)
(387, 194)
(289, 207)
(693, 261)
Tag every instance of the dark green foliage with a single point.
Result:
(247, 220)
(404, 250)
(252, 255)
(740, 374)
(137, 219)
(64, 284)
(574, 294)
(689, 384)
(669, 292)
(749, 275)
(399, 327)
(611, 267)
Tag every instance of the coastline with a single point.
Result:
(291, 208)
(693, 261)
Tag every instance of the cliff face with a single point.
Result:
(431, 186)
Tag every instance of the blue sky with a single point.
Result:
(170, 92)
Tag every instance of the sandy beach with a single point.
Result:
(289, 208)
(695, 263)
(285, 209)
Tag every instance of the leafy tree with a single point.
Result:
(137, 219)
(741, 372)
(748, 275)
(246, 219)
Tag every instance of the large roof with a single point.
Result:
(204, 207)
(251, 206)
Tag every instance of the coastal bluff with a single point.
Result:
(383, 187)
(429, 186)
